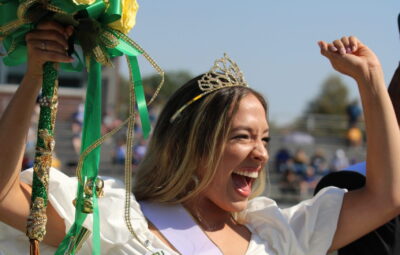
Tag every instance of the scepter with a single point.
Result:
(36, 225)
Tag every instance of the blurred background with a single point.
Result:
(315, 115)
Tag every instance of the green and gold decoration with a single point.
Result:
(100, 29)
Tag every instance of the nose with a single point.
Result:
(260, 152)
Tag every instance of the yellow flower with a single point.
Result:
(86, 2)
(128, 16)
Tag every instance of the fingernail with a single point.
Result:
(348, 50)
(354, 48)
(342, 51)
(332, 48)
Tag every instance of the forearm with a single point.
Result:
(383, 136)
(14, 126)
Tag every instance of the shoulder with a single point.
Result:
(306, 228)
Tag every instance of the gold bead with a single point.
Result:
(87, 205)
(88, 188)
(99, 187)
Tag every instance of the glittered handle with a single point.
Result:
(36, 225)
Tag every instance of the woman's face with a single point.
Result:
(244, 156)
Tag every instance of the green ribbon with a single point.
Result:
(8, 11)
(140, 95)
(91, 132)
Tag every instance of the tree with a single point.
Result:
(172, 81)
(325, 115)
(332, 99)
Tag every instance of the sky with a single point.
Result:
(273, 42)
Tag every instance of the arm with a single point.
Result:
(14, 125)
(378, 201)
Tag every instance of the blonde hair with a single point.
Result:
(194, 140)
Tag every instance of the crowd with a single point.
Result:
(300, 172)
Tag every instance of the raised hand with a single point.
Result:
(379, 201)
(350, 56)
(47, 43)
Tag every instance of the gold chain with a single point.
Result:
(152, 62)
(128, 159)
(95, 145)
(56, 9)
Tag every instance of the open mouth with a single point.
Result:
(243, 181)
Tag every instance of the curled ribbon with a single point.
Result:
(101, 33)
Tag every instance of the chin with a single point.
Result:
(238, 206)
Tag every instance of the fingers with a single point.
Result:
(46, 45)
(345, 45)
(49, 42)
(51, 50)
(354, 43)
(52, 38)
(54, 26)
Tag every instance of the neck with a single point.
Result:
(208, 215)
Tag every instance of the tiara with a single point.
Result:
(224, 73)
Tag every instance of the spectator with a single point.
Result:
(300, 162)
(281, 160)
(139, 150)
(353, 113)
(354, 136)
(319, 162)
(120, 151)
(339, 161)
(308, 182)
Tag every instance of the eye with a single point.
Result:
(241, 137)
(266, 140)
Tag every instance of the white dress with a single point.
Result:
(304, 229)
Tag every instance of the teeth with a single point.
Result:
(253, 174)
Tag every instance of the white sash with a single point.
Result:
(179, 228)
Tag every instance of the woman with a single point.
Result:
(205, 161)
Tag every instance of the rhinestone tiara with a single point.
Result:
(225, 73)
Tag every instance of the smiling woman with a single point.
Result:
(197, 137)
(195, 191)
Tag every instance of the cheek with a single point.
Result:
(236, 153)
(231, 159)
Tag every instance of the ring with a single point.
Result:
(43, 45)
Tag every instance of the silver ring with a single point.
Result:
(43, 45)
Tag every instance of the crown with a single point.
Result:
(224, 73)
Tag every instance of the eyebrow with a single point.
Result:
(246, 128)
